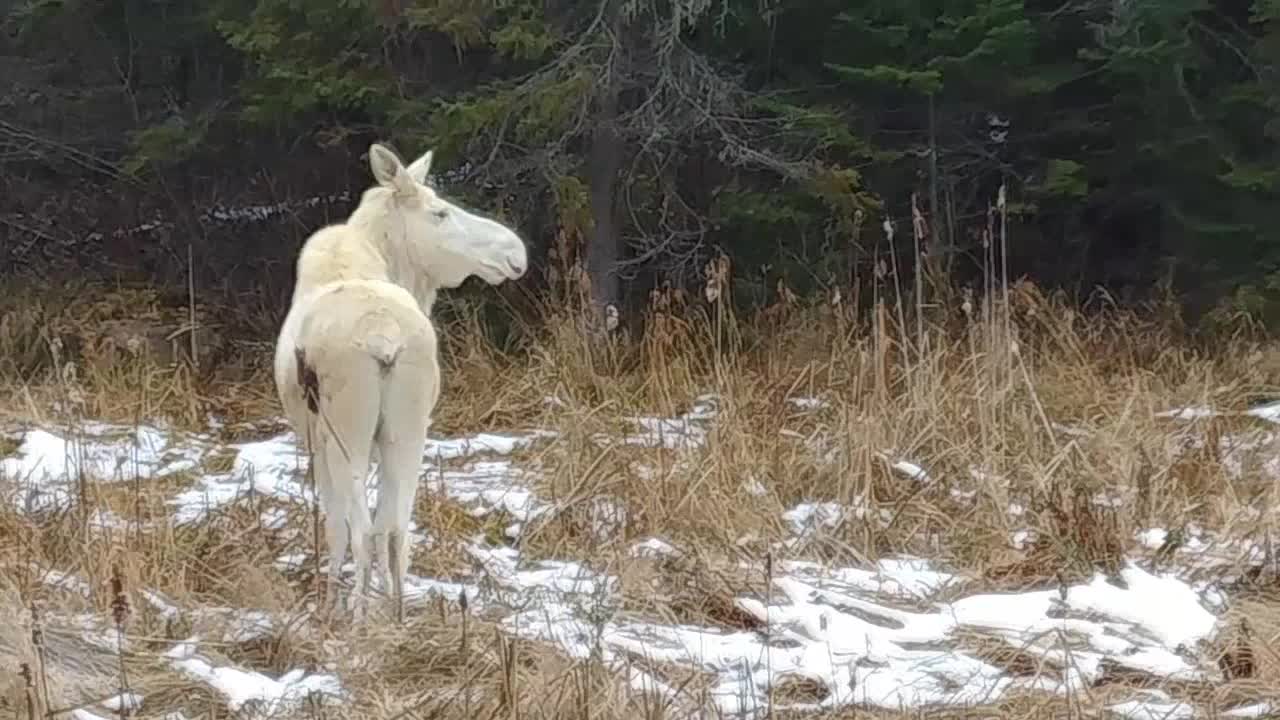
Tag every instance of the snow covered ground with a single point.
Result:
(887, 635)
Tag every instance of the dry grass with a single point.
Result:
(1029, 404)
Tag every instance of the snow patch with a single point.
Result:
(241, 688)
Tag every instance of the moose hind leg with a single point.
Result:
(395, 550)
(352, 503)
(353, 414)
(335, 525)
(401, 463)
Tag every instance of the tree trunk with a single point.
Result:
(605, 248)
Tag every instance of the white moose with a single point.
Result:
(356, 365)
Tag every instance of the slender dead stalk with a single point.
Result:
(37, 642)
(29, 689)
(120, 613)
(191, 307)
(768, 626)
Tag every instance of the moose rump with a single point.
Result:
(361, 385)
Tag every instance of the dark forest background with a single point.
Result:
(1136, 140)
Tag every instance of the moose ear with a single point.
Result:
(419, 168)
(388, 170)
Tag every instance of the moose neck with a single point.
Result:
(403, 266)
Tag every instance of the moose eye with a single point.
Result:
(440, 214)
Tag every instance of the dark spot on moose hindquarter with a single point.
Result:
(309, 381)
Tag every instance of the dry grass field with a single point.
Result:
(1010, 511)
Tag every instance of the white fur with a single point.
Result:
(360, 321)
